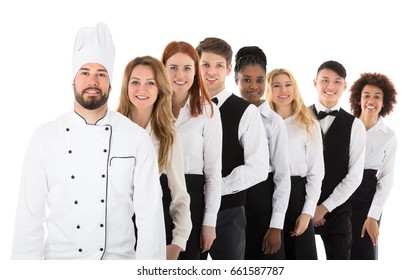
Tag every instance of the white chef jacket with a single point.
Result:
(92, 178)
(201, 139)
(278, 144)
(179, 208)
(306, 160)
(381, 150)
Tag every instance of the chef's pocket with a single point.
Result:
(121, 171)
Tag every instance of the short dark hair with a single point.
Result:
(334, 66)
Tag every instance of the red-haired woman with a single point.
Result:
(199, 126)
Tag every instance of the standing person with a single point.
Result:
(266, 202)
(200, 129)
(146, 97)
(372, 97)
(344, 139)
(306, 163)
(245, 158)
(93, 168)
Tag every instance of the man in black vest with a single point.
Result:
(344, 138)
(245, 158)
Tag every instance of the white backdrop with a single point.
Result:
(378, 36)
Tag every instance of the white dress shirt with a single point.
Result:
(349, 184)
(93, 178)
(201, 139)
(251, 135)
(306, 160)
(381, 148)
(179, 208)
(278, 146)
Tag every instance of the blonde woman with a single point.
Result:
(146, 97)
(306, 163)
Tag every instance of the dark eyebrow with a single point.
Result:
(88, 69)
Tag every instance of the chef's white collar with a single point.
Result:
(103, 121)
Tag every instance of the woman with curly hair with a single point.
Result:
(372, 97)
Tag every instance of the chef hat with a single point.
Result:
(94, 45)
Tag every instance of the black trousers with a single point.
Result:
(230, 235)
(336, 233)
(361, 200)
(258, 210)
(302, 247)
(195, 188)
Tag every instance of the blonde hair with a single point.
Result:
(162, 119)
(304, 117)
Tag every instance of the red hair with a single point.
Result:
(198, 92)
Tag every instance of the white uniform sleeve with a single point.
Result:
(254, 142)
(385, 180)
(279, 155)
(212, 167)
(316, 170)
(28, 238)
(179, 208)
(147, 199)
(354, 177)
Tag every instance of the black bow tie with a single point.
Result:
(215, 100)
(323, 114)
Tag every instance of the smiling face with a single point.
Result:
(251, 83)
(181, 72)
(214, 69)
(371, 100)
(282, 90)
(330, 87)
(142, 88)
(91, 86)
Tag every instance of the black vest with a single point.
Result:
(336, 152)
(231, 113)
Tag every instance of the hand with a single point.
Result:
(301, 224)
(272, 241)
(371, 226)
(320, 212)
(208, 235)
(172, 252)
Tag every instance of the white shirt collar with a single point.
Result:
(222, 96)
(319, 107)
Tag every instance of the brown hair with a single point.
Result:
(374, 79)
(217, 46)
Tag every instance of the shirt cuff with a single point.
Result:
(375, 212)
(329, 204)
(309, 208)
(209, 220)
(180, 242)
(277, 220)
(225, 188)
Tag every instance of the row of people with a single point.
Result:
(241, 178)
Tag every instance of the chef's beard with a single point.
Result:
(91, 103)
